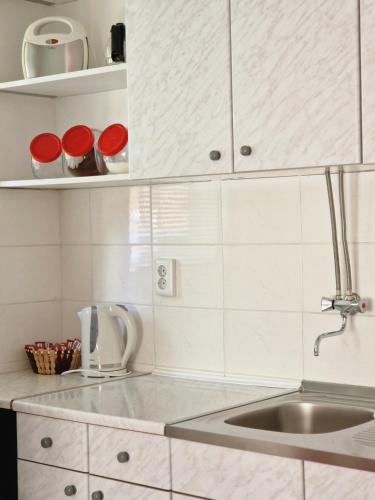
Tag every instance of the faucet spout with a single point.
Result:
(340, 331)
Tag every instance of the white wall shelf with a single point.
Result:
(68, 182)
(87, 81)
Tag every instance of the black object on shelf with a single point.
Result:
(118, 38)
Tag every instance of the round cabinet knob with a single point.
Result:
(215, 155)
(245, 150)
(123, 457)
(46, 442)
(70, 490)
(97, 495)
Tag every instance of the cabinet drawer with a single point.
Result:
(114, 490)
(52, 442)
(41, 482)
(221, 473)
(145, 457)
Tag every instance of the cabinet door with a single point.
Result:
(327, 482)
(368, 79)
(296, 91)
(222, 473)
(178, 87)
(42, 482)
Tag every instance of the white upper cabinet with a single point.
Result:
(368, 79)
(179, 87)
(296, 91)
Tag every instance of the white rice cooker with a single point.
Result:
(53, 45)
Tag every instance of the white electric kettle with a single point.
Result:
(103, 351)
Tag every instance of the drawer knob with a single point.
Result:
(97, 495)
(70, 490)
(245, 150)
(123, 457)
(46, 442)
(215, 155)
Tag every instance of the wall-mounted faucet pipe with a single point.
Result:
(351, 303)
(334, 233)
(340, 331)
(349, 288)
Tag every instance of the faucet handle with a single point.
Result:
(327, 304)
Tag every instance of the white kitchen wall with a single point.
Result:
(30, 291)
(253, 259)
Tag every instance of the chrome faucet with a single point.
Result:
(351, 303)
(346, 307)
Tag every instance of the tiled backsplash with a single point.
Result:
(253, 259)
(30, 307)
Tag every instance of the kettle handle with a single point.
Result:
(120, 311)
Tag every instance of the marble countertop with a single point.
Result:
(25, 383)
(145, 403)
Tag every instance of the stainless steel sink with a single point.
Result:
(303, 417)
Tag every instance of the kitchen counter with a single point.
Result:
(25, 383)
(146, 403)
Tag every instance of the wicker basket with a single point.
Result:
(53, 359)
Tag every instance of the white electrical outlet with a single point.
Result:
(165, 277)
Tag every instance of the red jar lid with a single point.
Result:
(78, 140)
(45, 148)
(113, 139)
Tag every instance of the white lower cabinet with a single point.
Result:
(42, 482)
(107, 489)
(328, 482)
(223, 473)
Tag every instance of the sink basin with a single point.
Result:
(301, 417)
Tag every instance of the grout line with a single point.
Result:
(220, 194)
(91, 247)
(152, 273)
(302, 280)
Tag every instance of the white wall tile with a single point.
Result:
(144, 356)
(316, 226)
(186, 213)
(261, 211)
(29, 274)
(263, 277)
(199, 275)
(363, 272)
(189, 338)
(22, 324)
(121, 215)
(345, 359)
(263, 343)
(360, 208)
(76, 272)
(75, 216)
(318, 275)
(29, 217)
(122, 274)
(71, 325)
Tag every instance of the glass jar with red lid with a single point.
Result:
(80, 156)
(46, 156)
(113, 145)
